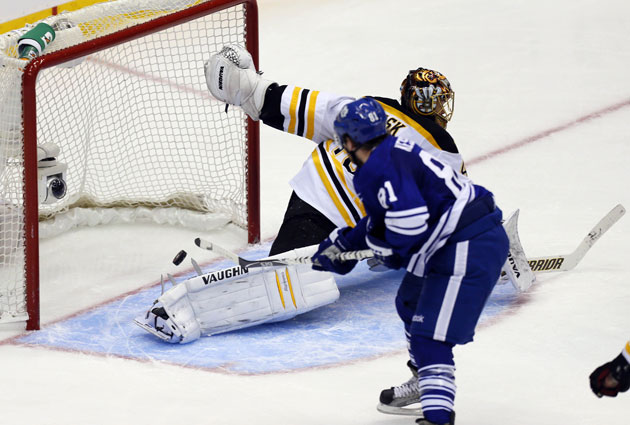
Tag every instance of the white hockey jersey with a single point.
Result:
(325, 180)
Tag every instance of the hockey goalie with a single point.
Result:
(235, 298)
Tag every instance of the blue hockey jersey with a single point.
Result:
(414, 201)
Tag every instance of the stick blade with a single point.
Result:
(570, 261)
(517, 266)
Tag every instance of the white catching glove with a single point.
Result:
(232, 78)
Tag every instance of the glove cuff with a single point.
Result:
(348, 238)
(378, 246)
(620, 368)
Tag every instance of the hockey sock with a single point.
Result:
(436, 377)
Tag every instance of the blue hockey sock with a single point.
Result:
(436, 378)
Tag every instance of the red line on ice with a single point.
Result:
(543, 134)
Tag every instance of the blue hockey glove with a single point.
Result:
(384, 256)
(336, 243)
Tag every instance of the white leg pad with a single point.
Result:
(261, 296)
(181, 313)
(231, 299)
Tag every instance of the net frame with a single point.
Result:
(29, 123)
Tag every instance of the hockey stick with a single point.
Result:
(561, 263)
(275, 262)
(538, 264)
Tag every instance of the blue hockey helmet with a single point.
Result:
(362, 120)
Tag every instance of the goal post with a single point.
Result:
(121, 91)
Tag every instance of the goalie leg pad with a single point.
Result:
(232, 78)
(260, 296)
(233, 298)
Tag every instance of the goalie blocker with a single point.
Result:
(235, 298)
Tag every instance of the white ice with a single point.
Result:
(523, 71)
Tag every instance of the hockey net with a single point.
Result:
(121, 92)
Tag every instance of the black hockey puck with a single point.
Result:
(179, 257)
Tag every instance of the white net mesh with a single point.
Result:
(135, 124)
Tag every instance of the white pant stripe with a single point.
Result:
(446, 311)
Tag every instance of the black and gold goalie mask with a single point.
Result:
(428, 93)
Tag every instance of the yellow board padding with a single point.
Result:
(42, 14)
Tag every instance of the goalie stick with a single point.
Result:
(561, 263)
(275, 262)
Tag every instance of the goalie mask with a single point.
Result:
(428, 93)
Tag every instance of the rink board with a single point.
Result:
(362, 324)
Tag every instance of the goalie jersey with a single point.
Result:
(325, 180)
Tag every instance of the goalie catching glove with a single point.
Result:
(232, 78)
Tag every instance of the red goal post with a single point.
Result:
(143, 114)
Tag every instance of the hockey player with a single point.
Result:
(613, 377)
(443, 229)
(323, 196)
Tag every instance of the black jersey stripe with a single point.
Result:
(301, 112)
(270, 113)
(333, 178)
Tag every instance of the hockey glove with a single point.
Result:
(384, 256)
(232, 78)
(325, 259)
(611, 378)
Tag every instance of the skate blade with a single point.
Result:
(139, 321)
(405, 411)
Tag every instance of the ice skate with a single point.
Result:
(157, 322)
(399, 400)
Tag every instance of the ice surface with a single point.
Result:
(520, 69)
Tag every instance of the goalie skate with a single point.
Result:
(157, 322)
(399, 400)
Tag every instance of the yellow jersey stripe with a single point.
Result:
(311, 115)
(293, 109)
(342, 177)
(411, 123)
(331, 192)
